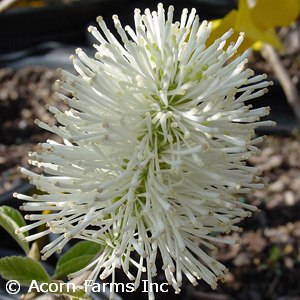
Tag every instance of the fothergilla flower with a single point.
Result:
(154, 148)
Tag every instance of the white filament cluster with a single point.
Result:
(155, 143)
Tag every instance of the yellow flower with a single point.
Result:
(258, 22)
(29, 3)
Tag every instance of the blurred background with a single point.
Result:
(38, 36)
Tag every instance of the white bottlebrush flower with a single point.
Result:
(155, 143)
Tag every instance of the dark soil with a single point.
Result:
(23, 98)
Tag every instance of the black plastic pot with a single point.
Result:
(21, 28)
(24, 27)
(52, 55)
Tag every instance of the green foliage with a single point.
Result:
(27, 269)
(22, 269)
(78, 257)
(11, 220)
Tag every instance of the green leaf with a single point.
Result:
(67, 290)
(22, 269)
(78, 257)
(13, 214)
(11, 220)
